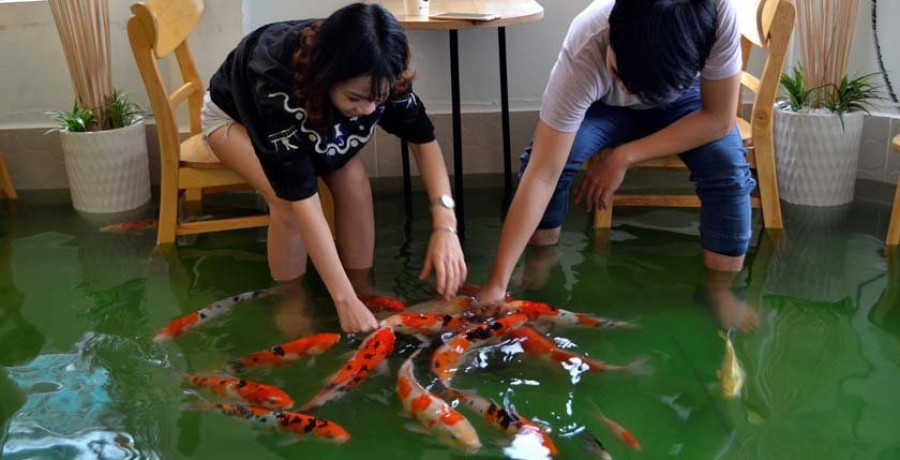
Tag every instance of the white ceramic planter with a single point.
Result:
(108, 170)
(816, 157)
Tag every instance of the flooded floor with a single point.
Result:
(816, 316)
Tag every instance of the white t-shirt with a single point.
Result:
(580, 77)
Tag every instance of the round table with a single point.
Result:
(510, 13)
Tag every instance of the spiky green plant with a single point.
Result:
(78, 120)
(121, 112)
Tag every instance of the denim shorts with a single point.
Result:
(719, 170)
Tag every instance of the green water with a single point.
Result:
(81, 378)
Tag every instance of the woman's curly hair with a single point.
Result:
(359, 39)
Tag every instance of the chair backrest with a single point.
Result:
(156, 29)
(771, 31)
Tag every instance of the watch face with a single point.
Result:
(447, 201)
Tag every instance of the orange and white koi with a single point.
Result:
(286, 353)
(181, 325)
(506, 420)
(291, 422)
(458, 304)
(374, 349)
(535, 344)
(251, 392)
(445, 360)
(539, 312)
(126, 227)
(378, 304)
(621, 434)
(426, 324)
(438, 418)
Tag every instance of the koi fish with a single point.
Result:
(286, 353)
(539, 312)
(594, 445)
(445, 360)
(127, 227)
(370, 354)
(378, 304)
(731, 374)
(472, 290)
(181, 325)
(458, 304)
(425, 324)
(251, 392)
(621, 434)
(291, 422)
(438, 418)
(507, 421)
(535, 344)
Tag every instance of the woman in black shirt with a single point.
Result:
(295, 101)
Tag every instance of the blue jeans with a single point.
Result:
(719, 169)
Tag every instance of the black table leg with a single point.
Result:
(407, 181)
(504, 105)
(459, 195)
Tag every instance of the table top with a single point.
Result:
(897, 143)
(510, 12)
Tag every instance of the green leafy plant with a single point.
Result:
(121, 112)
(850, 95)
(78, 120)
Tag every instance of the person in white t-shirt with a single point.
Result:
(648, 79)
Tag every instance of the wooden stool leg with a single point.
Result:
(893, 235)
(327, 204)
(7, 190)
(603, 218)
(769, 201)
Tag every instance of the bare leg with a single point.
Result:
(287, 255)
(731, 311)
(545, 237)
(354, 214)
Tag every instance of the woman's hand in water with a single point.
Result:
(445, 256)
(354, 316)
(490, 295)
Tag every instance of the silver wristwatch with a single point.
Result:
(445, 201)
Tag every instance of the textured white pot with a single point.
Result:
(816, 157)
(108, 170)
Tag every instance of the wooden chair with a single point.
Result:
(774, 26)
(6, 184)
(893, 235)
(156, 29)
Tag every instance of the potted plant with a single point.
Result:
(103, 137)
(818, 125)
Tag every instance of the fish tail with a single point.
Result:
(637, 367)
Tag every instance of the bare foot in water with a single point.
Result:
(730, 311)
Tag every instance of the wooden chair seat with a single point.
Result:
(195, 154)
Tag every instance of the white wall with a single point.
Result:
(35, 78)
(531, 52)
(863, 57)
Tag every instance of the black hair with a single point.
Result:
(358, 39)
(661, 45)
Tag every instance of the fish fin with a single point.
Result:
(417, 428)
(638, 367)
(311, 363)
(382, 368)
(426, 340)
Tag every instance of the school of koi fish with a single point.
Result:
(456, 328)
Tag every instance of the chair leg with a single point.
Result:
(7, 190)
(603, 218)
(327, 204)
(893, 235)
(769, 201)
(168, 214)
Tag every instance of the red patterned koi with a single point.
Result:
(378, 304)
(291, 422)
(418, 324)
(535, 344)
(539, 312)
(374, 349)
(445, 360)
(126, 227)
(251, 392)
(438, 418)
(286, 353)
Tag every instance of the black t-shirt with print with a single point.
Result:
(255, 86)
